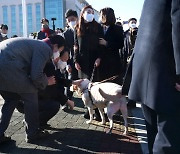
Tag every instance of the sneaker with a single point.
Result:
(4, 139)
(65, 108)
(37, 136)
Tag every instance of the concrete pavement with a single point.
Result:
(70, 134)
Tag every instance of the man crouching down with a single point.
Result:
(22, 62)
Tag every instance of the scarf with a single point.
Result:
(46, 31)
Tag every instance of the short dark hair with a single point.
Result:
(132, 19)
(14, 36)
(66, 49)
(4, 26)
(57, 39)
(44, 19)
(108, 16)
(70, 12)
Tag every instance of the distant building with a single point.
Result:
(11, 13)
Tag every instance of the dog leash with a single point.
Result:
(89, 92)
(93, 72)
(108, 79)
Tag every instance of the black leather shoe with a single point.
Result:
(131, 104)
(4, 139)
(97, 117)
(37, 136)
(86, 115)
(45, 126)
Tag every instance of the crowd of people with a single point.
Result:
(36, 76)
(46, 66)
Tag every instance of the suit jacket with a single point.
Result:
(3, 38)
(69, 37)
(156, 61)
(21, 65)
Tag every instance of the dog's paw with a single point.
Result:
(103, 122)
(88, 122)
(109, 131)
(125, 131)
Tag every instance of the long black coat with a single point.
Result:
(156, 62)
(88, 50)
(110, 60)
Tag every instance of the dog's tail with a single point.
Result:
(109, 97)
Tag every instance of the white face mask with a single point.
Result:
(132, 26)
(56, 54)
(72, 24)
(88, 17)
(45, 26)
(3, 35)
(100, 20)
(62, 65)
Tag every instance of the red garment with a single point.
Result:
(46, 31)
(47, 40)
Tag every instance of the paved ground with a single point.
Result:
(70, 134)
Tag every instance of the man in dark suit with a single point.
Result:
(129, 42)
(21, 76)
(71, 19)
(155, 73)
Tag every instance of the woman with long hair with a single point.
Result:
(87, 47)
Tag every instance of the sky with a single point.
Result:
(124, 9)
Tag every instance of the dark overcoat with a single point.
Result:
(88, 50)
(156, 61)
(110, 59)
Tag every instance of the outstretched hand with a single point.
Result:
(97, 62)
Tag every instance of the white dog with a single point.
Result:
(102, 95)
